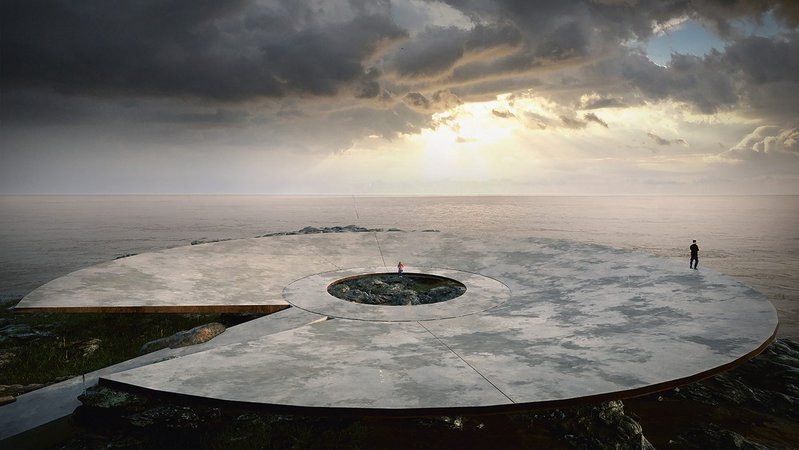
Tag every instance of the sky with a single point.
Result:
(629, 97)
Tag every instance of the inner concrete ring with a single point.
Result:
(310, 293)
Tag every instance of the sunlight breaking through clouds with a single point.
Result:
(387, 96)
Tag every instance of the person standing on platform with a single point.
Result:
(694, 262)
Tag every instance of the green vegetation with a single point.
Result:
(42, 348)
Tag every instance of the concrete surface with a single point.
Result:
(42, 406)
(542, 323)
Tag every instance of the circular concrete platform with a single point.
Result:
(542, 323)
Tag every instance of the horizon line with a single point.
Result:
(342, 194)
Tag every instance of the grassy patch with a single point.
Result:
(41, 348)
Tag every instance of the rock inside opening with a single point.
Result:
(391, 289)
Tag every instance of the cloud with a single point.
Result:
(573, 123)
(240, 50)
(440, 58)
(766, 71)
(368, 86)
(591, 117)
(538, 121)
(765, 142)
(445, 99)
(577, 124)
(765, 60)
(696, 81)
(567, 41)
(417, 100)
(222, 50)
(503, 114)
(600, 103)
(564, 120)
(753, 76)
(661, 141)
(281, 76)
(721, 13)
(439, 101)
(432, 53)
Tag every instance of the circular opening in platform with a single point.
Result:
(391, 289)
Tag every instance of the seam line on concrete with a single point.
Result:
(319, 254)
(466, 362)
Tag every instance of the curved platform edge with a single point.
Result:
(509, 408)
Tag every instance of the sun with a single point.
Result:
(465, 141)
(474, 147)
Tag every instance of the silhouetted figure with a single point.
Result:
(400, 267)
(694, 262)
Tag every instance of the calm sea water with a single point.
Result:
(753, 239)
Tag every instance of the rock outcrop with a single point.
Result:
(408, 289)
(603, 425)
(768, 383)
(196, 335)
(753, 406)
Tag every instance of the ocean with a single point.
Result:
(754, 239)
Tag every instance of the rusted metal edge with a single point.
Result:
(182, 309)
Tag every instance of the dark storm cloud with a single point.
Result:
(564, 44)
(762, 60)
(219, 61)
(437, 50)
(445, 99)
(542, 48)
(767, 71)
(238, 50)
(754, 76)
(566, 26)
(226, 50)
(688, 78)
(528, 36)
(439, 101)
(567, 41)
(721, 12)
(570, 33)
(417, 100)
(600, 103)
(368, 86)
